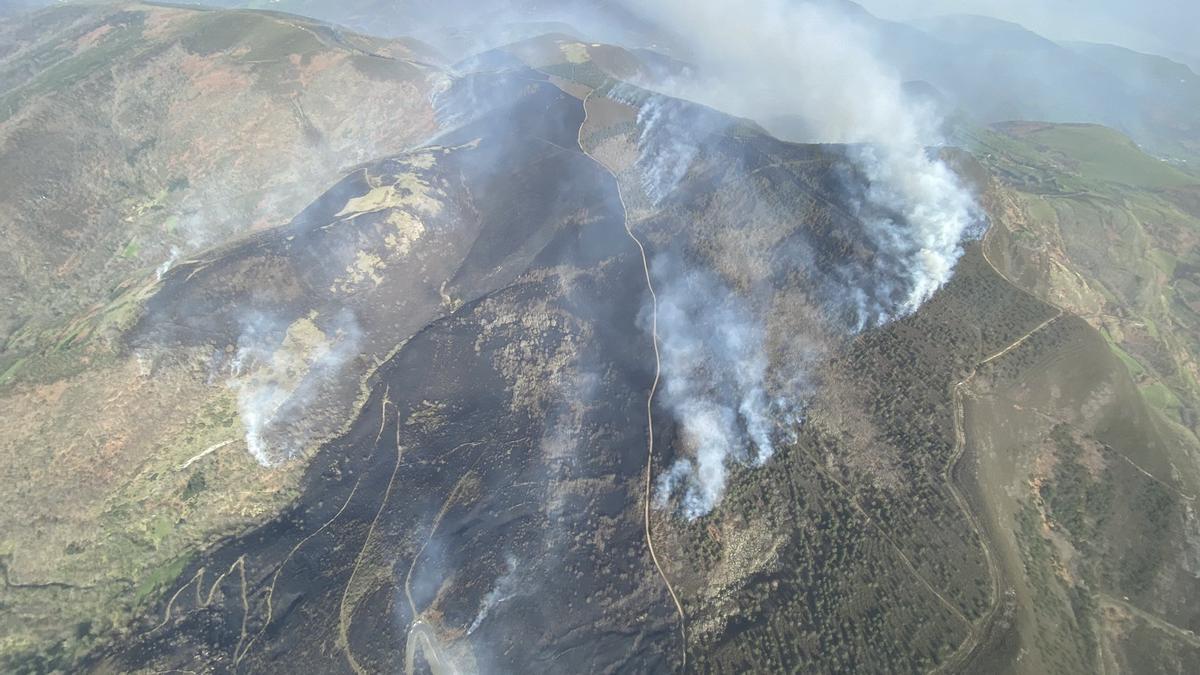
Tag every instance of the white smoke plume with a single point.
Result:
(807, 73)
(713, 372)
(276, 372)
(167, 264)
(507, 586)
(671, 133)
(665, 154)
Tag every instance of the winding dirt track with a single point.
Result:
(421, 636)
(344, 610)
(1158, 622)
(649, 396)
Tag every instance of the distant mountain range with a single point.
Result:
(976, 64)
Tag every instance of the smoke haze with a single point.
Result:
(806, 73)
(1166, 27)
(276, 372)
(714, 372)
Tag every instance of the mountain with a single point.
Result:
(1168, 92)
(495, 475)
(122, 137)
(515, 364)
(1063, 83)
(996, 71)
(1101, 230)
(124, 143)
(14, 7)
(976, 63)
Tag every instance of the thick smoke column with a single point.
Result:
(806, 73)
(714, 370)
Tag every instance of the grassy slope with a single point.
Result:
(122, 134)
(1111, 234)
(1084, 446)
(122, 137)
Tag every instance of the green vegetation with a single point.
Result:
(843, 593)
(1067, 158)
(1126, 227)
(64, 67)
(1135, 369)
(1098, 152)
(131, 250)
(1062, 635)
(1072, 498)
(195, 485)
(264, 37)
(1160, 396)
(160, 578)
(1099, 524)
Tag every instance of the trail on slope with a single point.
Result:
(421, 636)
(650, 394)
(1162, 624)
(344, 611)
(962, 654)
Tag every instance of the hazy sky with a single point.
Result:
(1158, 26)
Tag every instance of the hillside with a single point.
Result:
(537, 463)
(323, 354)
(1087, 451)
(880, 483)
(124, 149)
(123, 131)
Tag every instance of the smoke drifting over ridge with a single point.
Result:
(665, 155)
(806, 73)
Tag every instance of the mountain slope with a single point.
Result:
(1086, 454)
(509, 482)
(996, 71)
(989, 69)
(596, 379)
(122, 138)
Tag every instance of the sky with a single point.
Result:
(1166, 27)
